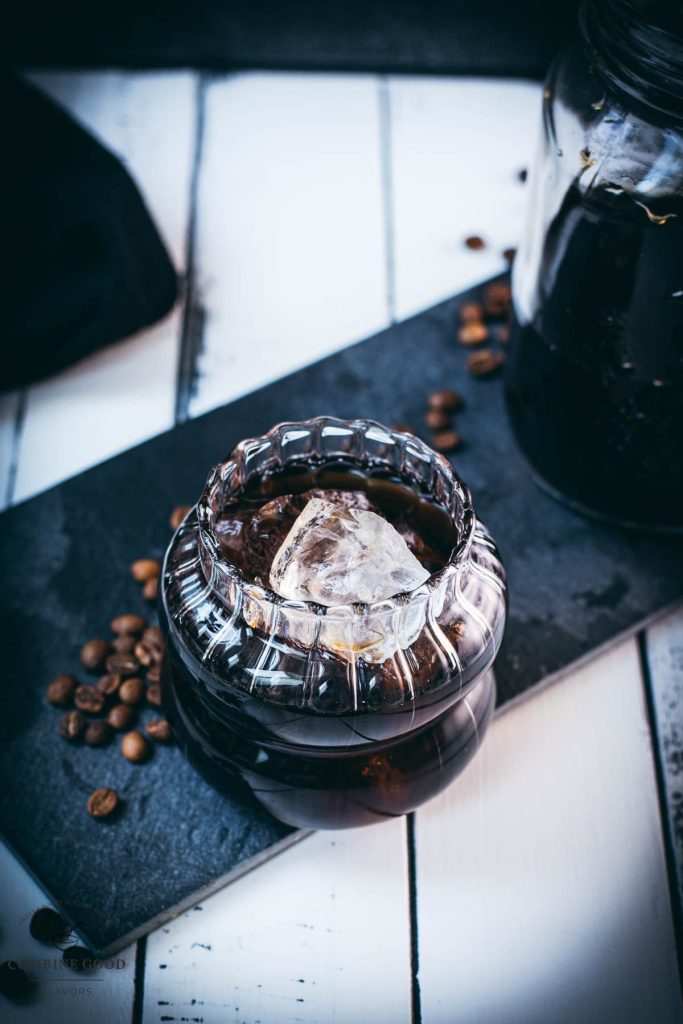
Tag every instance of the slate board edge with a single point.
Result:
(191, 900)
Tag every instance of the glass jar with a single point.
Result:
(332, 716)
(595, 372)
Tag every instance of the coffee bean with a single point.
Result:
(446, 440)
(436, 419)
(153, 695)
(177, 515)
(124, 643)
(89, 699)
(47, 925)
(132, 691)
(71, 725)
(522, 174)
(471, 311)
(78, 958)
(509, 255)
(473, 333)
(102, 802)
(127, 624)
(154, 638)
(109, 685)
(150, 588)
(61, 690)
(403, 428)
(122, 665)
(485, 363)
(97, 733)
(144, 653)
(497, 299)
(446, 399)
(144, 569)
(94, 654)
(154, 673)
(120, 717)
(475, 243)
(134, 747)
(14, 981)
(160, 730)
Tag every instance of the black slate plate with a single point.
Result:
(574, 585)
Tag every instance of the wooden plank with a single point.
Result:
(457, 146)
(60, 995)
(125, 393)
(664, 645)
(290, 234)
(542, 889)
(319, 934)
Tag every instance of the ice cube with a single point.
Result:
(336, 555)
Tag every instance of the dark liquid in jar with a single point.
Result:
(595, 382)
(336, 767)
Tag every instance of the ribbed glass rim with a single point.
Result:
(230, 475)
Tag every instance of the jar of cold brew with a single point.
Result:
(595, 375)
(331, 714)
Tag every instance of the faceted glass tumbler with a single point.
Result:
(331, 716)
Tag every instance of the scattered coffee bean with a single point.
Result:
(483, 364)
(94, 654)
(89, 699)
(78, 958)
(71, 725)
(150, 588)
(97, 733)
(436, 419)
(144, 653)
(475, 243)
(124, 643)
(154, 638)
(446, 440)
(120, 717)
(109, 685)
(509, 256)
(497, 299)
(403, 428)
(153, 695)
(102, 802)
(128, 624)
(154, 673)
(47, 925)
(134, 747)
(471, 311)
(177, 515)
(14, 981)
(144, 569)
(522, 174)
(123, 665)
(160, 730)
(61, 690)
(446, 399)
(472, 333)
(132, 691)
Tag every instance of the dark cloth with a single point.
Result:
(84, 265)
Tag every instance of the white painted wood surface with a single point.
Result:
(539, 872)
(326, 206)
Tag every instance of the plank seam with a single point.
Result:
(192, 329)
(387, 194)
(139, 980)
(415, 996)
(663, 800)
(17, 431)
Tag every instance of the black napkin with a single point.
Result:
(84, 265)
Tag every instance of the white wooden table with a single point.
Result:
(306, 212)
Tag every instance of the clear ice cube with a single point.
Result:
(336, 555)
